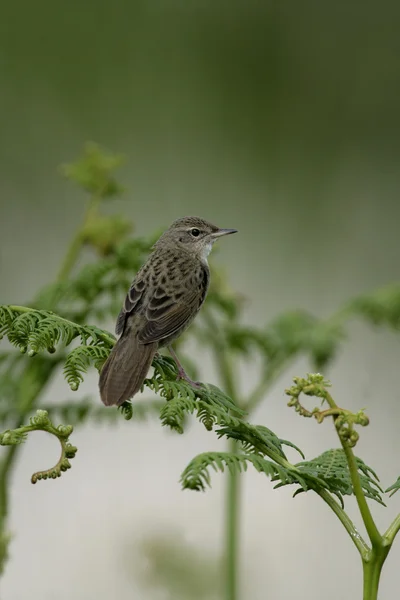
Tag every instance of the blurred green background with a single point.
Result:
(278, 118)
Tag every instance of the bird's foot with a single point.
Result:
(183, 375)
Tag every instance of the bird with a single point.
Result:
(163, 300)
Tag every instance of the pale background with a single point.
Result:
(279, 119)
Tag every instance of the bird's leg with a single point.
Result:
(181, 371)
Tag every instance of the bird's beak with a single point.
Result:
(222, 232)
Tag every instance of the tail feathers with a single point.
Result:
(125, 369)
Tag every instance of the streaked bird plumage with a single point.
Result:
(162, 302)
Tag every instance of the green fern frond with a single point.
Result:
(395, 487)
(256, 439)
(96, 290)
(209, 403)
(94, 171)
(331, 467)
(197, 477)
(329, 471)
(79, 360)
(174, 412)
(39, 330)
(381, 307)
(42, 422)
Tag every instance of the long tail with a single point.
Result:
(125, 369)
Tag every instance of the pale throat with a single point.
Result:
(205, 251)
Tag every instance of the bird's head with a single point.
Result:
(194, 235)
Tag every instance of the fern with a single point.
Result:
(381, 307)
(286, 336)
(80, 359)
(38, 330)
(256, 439)
(210, 405)
(208, 413)
(96, 291)
(94, 171)
(327, 472)
(41, 422)
(332, 468)
(196, 476)
(395, 487)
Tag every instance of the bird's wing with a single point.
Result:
(132, 303)
(168, 312)
(167, 309)
(168, 320)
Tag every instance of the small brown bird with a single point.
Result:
(163, 300)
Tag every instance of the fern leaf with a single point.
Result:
(42, 422)
(39, 330)
(209, 404)
(197, 477)
(395, 487)
(254, 438)
(96, 290)
(79, 360)
(331, 467)
(381, 307)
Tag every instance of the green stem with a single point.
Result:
(372, 572)
(5, 467)
(223, 359)
(377, 540)
(392, 530)
(232, 490)
(270, 376)
(347, 523)
(75, 247)
(372, 563)
(370, 526)
(232, 531)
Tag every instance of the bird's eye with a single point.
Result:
(195, 232)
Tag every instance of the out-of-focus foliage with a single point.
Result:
(168, 564)
(93, 172)
(61, 315)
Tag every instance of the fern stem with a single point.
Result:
(232, 524)
(392, 530)
(372, 572)
(223, 360)
(10, 457)
(5, 466)
(270, 376)
(372, 562)
(5, 470)
(75, 247)
(70, 258)
(347, 523)
(376, 538)
(370, 526)
(232, 531)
